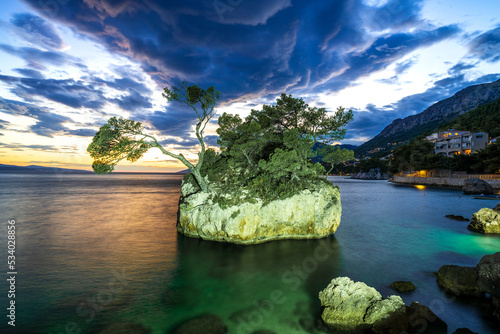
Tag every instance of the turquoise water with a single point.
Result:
(97, 251)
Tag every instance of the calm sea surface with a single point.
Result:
(99, 253)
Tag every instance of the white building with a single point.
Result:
(458, 142)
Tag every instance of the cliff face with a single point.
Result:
(440, 112)
(311, 214)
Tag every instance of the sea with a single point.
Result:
(101, 254)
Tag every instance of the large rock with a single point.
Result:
(373, 174)
(497, 207)
(488, 274)
(311, 214)
(422, 320)
(477, 186)
(488, 279)
(485, 221)
(461, 281)
(350, 306)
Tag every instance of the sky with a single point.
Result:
(67, 66)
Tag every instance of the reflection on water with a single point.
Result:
(100, 251)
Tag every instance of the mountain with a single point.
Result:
(485, 118)
(39, 170)
(431, 118)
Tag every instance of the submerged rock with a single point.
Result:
(311, 214)
(459, 218)
(475, 186)
(350, 306)
(461, 281)
(403, 286)
(373, 174)
(207, 324)
(485, 221)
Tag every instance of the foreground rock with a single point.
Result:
(354, 307)
(313, 213)
(488, 279)
(461, 281)
(475, 186)
(474, 281)
(485, 221)
(373, 174)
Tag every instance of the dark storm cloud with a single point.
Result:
(176, 121)
(133, 102)
(251, 49)
(487, 45)
(69, 92)
(37, 59)
(30, 73)
(460, 67)
(81, 94)
(47, 123)
(36, 30)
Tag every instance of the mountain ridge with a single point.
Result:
(440, 112)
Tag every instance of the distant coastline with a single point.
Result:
(35, 169)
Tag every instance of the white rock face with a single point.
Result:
(354, 306)
(307, 215)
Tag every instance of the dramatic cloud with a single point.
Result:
(47, 123)
(36, 31)
(254, 48)
(38, 59)
(81, 94)
(487, 45)
(30, 73)
(177, 121)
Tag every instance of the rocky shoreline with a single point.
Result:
(372, 174)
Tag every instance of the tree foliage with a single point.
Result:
(333, 155)
(271, 148)
(120, 138)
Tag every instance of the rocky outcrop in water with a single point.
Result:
(354, 307)
(461, 281)
(403, 286)
(373, 174)
(474, 281)
(485, 221)
(311, 214)
(475, 186)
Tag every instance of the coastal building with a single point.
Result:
(458, 142)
